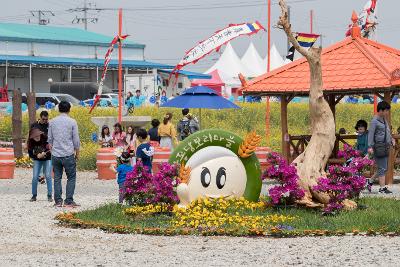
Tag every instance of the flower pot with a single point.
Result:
(104, 159)
(7, 163)
(161, 155)
(262, 153)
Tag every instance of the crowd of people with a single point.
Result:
(54, 147)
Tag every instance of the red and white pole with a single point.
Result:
(269, 37)
(120, 66)
(268, 109)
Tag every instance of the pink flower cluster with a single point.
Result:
(142, 188)
(288, 190)
(344, 181)
(348, 152)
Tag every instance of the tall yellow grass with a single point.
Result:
(240, 121)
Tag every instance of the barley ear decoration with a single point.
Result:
(249, 145)
(184, 173)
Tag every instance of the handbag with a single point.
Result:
(381, 150)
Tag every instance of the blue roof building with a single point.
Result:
(34, 54)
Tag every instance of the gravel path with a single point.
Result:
(30, 237)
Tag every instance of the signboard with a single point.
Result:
(146, 83)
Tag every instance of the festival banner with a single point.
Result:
(215, 42)
(367, 19)
(107, 59)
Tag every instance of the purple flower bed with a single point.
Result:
(344, 181)
(142, 187)
(288, 190)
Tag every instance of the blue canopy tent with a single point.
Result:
(200, 97)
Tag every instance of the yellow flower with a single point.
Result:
(210, 213)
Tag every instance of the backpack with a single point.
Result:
(185, 129)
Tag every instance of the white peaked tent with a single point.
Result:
(276, 59)
(228, 80)
(229, 63)
(253, 62)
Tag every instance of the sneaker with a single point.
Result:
(369, 186)
(58, 204)
(49, 199)
(72, 205)
(384, 190)
(33, 199)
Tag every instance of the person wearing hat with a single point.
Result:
(39, 152)
(122, 171)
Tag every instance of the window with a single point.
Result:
(69, 99)
(180, 85)
(41, 100)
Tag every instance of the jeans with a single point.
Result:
(69, 164)
(382, 164)
(38, 165)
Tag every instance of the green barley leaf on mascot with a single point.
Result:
(216, 163)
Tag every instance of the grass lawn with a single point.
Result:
(380, 216)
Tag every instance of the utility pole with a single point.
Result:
(40, 15)
(288, 42)
(85, 19)
(85, 14)
(311, 20)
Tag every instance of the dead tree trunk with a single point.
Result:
(31, 101)
(312, 162)
(17, 123)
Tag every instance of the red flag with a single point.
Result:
(107, 59)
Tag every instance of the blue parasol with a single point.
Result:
(199, 97)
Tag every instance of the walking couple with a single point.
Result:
(55, 146)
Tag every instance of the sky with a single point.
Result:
(170, 28)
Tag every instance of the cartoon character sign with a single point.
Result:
(216, 163)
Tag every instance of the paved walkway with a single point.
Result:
(30, 237)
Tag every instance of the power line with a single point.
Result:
(85, 19)
(200, 7)
(40, 15)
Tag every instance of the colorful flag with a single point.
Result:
(305, 40)
(107, 59)
(215, 42)
(290, 55)
(367, 19)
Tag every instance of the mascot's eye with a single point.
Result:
(221, 178)
(205, 177)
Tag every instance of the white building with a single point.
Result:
(31, 55)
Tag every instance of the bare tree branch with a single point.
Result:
(284, 23)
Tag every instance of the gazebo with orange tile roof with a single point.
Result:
(353, 66)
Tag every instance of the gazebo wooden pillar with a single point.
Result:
(332, 104)
(387, 96)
